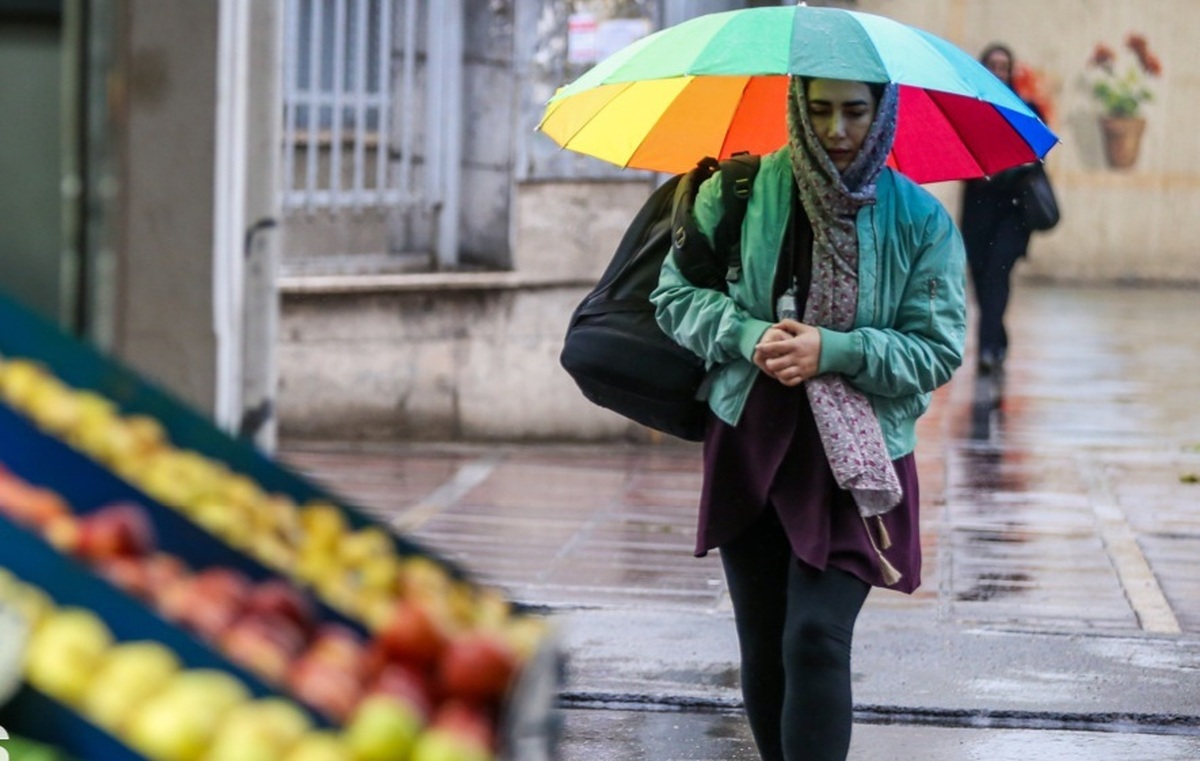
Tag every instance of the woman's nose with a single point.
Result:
(837, 125)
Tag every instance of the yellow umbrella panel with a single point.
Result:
(666, 124)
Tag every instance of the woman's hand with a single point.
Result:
(789, 352)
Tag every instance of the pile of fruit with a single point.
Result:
(141, 693)
(419, 666)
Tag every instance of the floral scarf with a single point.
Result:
(849, 430)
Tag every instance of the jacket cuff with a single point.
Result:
(840, 352)
(752, 330)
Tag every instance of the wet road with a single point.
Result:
(1059, 617)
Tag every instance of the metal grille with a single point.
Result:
(341, 150)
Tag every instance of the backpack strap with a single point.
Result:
(737, 180)
(697, 261)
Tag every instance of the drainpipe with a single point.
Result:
(261, 240)
(229, 195)
(444, 123)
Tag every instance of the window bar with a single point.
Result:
(337, 91)
(316, 19)
(360, 89)
(291, 74)
(384, 82)
(405, 98)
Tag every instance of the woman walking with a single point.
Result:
(996, 236)
(848, 313)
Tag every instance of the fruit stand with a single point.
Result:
(168, 592)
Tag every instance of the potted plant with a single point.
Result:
(1121, 91)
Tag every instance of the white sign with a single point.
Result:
(3, 752)
(581, 38)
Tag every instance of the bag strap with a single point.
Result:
(737, 180)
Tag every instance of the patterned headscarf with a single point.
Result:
(849, 430)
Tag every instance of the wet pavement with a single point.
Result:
(1059, 616)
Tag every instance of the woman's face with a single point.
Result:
(841, 113)
(1000, 65)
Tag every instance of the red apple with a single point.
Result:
(477, 666)
(326, 688)
(467, 721)
(120, 528)
(205, 612)
(341, 647)
(129, 573)
(412, 635)
(163, 570)
(227, 583)
(63, 533)
(279, 598)
(406, 683)
(264, 644)
(29, 505)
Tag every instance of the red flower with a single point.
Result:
(1103, 56)
(1147, 60)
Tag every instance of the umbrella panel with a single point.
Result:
(730, 80)
(666, 125)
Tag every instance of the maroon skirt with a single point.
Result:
(773, 459)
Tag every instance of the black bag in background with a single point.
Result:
(1038, 203)
(614, 348)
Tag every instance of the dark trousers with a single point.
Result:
(991, 258)
(795, 626)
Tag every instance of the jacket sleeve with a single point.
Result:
(923, 345)
(709, 323)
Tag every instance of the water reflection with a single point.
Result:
(987, 405)
(989, 529)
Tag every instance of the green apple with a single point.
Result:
(319, 746)
(382, 728)
(65, 651)
(127, 676)
(440, 744)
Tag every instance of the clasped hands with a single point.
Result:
(789, 351)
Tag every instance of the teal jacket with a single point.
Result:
(910, 323)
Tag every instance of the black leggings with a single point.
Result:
(794, 626)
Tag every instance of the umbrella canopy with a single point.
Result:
(717, 85)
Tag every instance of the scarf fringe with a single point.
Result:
(891, 576)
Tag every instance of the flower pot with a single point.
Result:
(1122, 139)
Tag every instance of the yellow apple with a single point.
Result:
(261, 730)
(54, 405)
(18, 380)
(127, 676)
(213, 689)
(34, 605)
(365, 543)
(180, 722)
(163, 730)
(96, 416)
(65, 651)
(323, 525)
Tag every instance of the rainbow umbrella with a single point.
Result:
(717, 84)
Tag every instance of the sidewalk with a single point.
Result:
(1060, 612)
